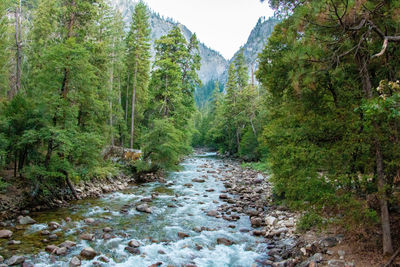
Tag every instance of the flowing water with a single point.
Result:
(176, 208)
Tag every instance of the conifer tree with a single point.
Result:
(138, 61)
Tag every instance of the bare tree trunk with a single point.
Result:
(71, 186)
(133, 102)
(385, 218)
(127, 99)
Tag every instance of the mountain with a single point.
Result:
(255, 44)
(213, 64)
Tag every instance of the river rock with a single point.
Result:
(26, 220)
(329, 242)
(54, 225)
(88, 253)
(1, 259)
(223, 196)
(271, 220)
(134, 251)
(182, 235)
(68, 244)
(88, 237)
(198, 180)
(75, 261)
(107, 230)
(104, 259)
(212, 213)
(143, 208)
(45, 232)
(256, 221)
(51, 248)
(15, 260)
(5, 233)
(53, 237)
(61, 251)
(89, 220)
(224, 241)
(134, 243)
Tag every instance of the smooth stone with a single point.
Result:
(104, 259)
(61, 251)
(75, 261)
(68, 244)
(329, 242)
(107, 230)
(87, 237)
(15, 260)
(134, 251)
(134, 244)
(45, 232)
(271, 220)
(14, 242)
(88, 253)
(89, 220)
(1, 259)
(54, 225)
(5, 233)
(212, 213)
(53, 237)
(336, 263)
(51, 248)
(143, 208)
(26, 220)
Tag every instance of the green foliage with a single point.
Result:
(308, 221)
(258, 166)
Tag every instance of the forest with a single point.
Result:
(322, 116)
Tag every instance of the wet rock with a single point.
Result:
(107, 230)
(54, 225)
(5, 233)
(68, 219)
(146, 199)
(26, 220)
(51, 248)
(27, 264)
(68, 244)
(258, 233)
(104, 259)
(188, 185)
(15, 260)
(224, 241)
(45, 232)
(161, 252)
(134, 251)
(134, 243)
(61, 251)
(106, 236)
(212, 213)
(88, 253)
(158, 264)
(89, 220)
(210, 190)
(223, 196)
(198, 180)
(182, 235)
(75, 261)
(143, 208)
(88, 237)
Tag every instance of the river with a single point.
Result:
(179, 206)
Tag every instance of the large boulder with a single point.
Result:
(224, 241)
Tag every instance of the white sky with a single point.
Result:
(223, 25)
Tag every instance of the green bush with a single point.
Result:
(309, 221)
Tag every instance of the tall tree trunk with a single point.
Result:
(18, 50)
(127, 99)
(133, 101)
(111, 95)
(385, 218)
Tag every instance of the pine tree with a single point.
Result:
(5, 48)
(138, 61)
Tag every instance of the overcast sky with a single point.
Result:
(223, 25)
